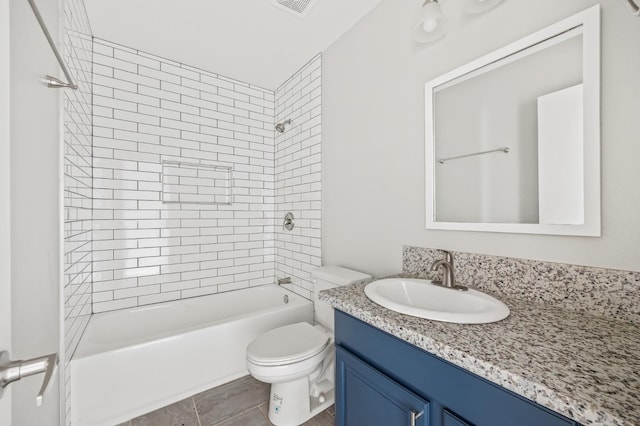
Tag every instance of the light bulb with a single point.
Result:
(430, 25)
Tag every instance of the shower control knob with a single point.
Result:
(288, 221)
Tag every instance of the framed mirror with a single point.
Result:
(513, 138)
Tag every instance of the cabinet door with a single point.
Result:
(449, 419)
(364, 396)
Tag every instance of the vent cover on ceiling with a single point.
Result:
(297, 7)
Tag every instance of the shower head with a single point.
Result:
(280, 126)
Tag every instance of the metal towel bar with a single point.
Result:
(53, 82)
(503, 149)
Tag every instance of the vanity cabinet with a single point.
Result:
(371, 398)
(384, 381)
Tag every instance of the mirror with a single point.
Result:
(513, 138)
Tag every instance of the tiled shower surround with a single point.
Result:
(298, 175)
(77, 182)
(160, 130)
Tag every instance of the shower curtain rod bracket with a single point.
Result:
(56, 83)
(53, 82)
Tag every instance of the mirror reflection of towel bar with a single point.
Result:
(504, 149)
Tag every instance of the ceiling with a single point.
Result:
(249, 40)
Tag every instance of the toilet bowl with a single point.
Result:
(298, 360)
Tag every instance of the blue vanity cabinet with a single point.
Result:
(370, 398)
(379, 375)
(450, 419)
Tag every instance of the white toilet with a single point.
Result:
(298, 359)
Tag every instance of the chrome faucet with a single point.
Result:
(448, 276)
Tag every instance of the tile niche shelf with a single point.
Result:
(196, 183)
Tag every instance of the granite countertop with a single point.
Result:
(584, 367)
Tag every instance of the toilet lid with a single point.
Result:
(287, 344)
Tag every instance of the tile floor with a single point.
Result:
(243, 402)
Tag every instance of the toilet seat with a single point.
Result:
(287, 345)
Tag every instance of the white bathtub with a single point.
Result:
(133, 361)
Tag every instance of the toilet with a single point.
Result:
(298, 360)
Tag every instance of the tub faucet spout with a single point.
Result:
(286, 280)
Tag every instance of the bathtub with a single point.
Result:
(133, 361)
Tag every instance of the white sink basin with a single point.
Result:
(421, 298)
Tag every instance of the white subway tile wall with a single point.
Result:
(77, 183)
(149, 110)
(298, 175)
(196, 183)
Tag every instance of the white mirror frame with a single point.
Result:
(589, 19)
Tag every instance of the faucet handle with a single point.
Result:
(448, 256)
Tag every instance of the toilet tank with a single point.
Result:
(329, 277)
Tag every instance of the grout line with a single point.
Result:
(265, 415)
(226, 419)
(193, 401)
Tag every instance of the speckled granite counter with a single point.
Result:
(584, 367)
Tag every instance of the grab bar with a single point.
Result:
(504, 149)
(53, 82)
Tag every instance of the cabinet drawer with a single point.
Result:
(365, 396)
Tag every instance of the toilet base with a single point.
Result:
(290, 403)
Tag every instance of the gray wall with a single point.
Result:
(498, 108)
(5, 191)
(35, 206)
(373, 153)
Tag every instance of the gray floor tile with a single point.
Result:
(252, 417)
(181, 413)
(231, 399)
(264, 409)
(332, 410)
(322, 419)
(243, 402)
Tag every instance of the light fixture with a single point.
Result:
(432, 23)
(633, 7)
(478, 6)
